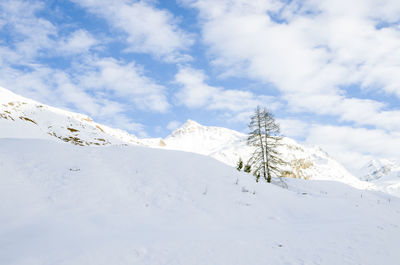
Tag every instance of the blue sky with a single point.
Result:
(329, 70)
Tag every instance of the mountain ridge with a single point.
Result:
(26, 118)
(23, 117)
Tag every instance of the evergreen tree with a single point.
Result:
(239, 164)
(247, 168)
(265, 137)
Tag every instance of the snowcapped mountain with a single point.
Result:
(384, 173)
(228, 146)
(223, 144)
(24, 118)
(379, 169)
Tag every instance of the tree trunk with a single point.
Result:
(263, 150)
(266, 154)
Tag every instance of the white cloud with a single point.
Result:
(104, 88)
(293, 128)
(359, 111)
(49, 85)
(79, 41)
(125, 123)
(125, 81)
(354, 147)
(60, 89)
(172, 125)
(321, 47)
(33, 34)
(196, 93)
(148, 29)
(32, 37)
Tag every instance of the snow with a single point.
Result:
(380, 168)
(66, 204)
(24, 118)
(228, 146)
(384, 174)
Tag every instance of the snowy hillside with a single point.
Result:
(228, 146)
(65, 204)
(24, 118)
(383, 173)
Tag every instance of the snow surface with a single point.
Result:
(384, 174)
(24, 118)
(65, 204)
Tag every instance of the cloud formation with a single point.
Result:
(103, 87)
(354, 147)
(125, 81)
(330, 59)
(147, 28)
(196, 93)
(311, 50)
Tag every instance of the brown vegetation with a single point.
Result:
(98, 127)
(72, 130)
(27, 119)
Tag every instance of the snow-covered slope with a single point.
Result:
(228, 146)
(64, 204)
(206, 140)
(379, 169)
(24, 118)
(383, 173)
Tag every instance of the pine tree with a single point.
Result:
(265, 137)
(247, 168)
(239, 164)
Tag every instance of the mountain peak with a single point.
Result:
(380, 169)
(191, 123)
(189, 126)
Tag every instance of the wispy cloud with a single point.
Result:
(31, 35)
(354, 147)
(328, 59)
(78, 41)
(310, 50)
(102, 87)
(126, 81)
(147, 28)
(172, 125)
(196, 93)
